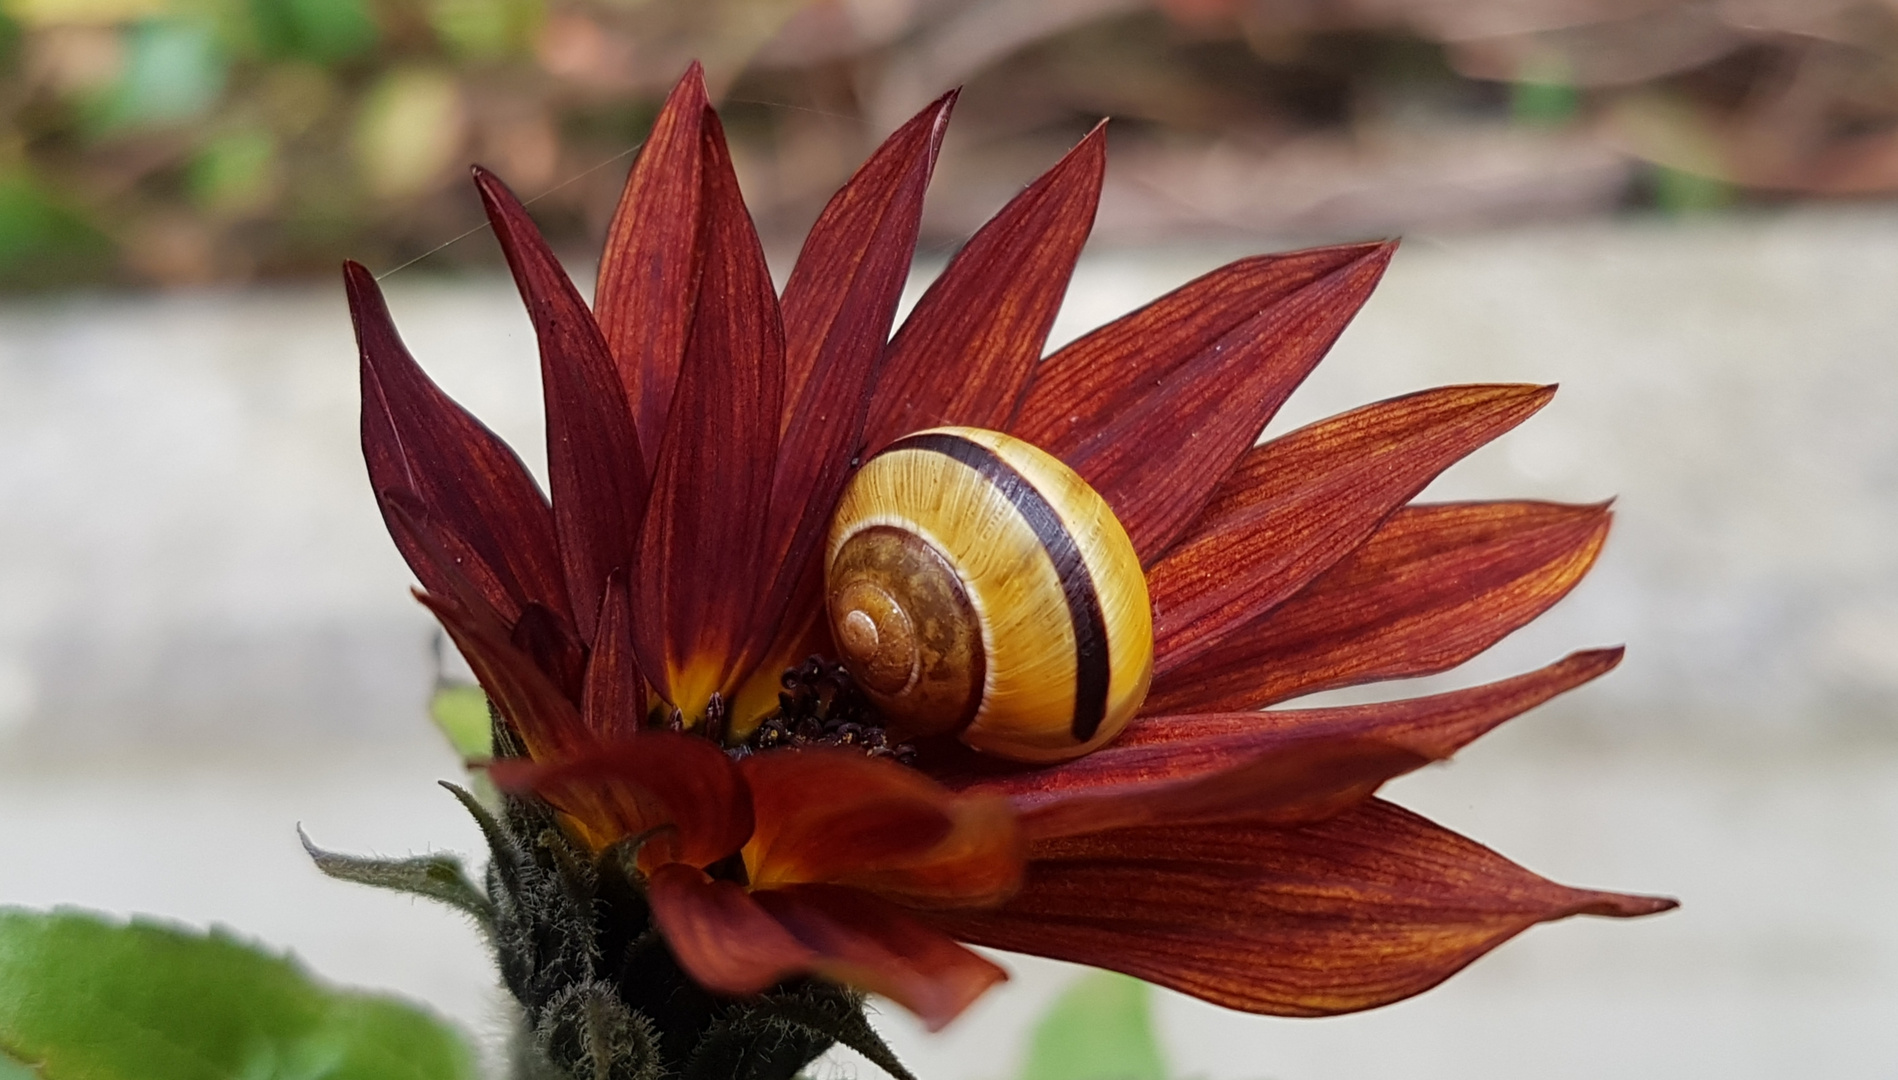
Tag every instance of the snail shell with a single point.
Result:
(977, 586)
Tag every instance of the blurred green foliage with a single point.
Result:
(320, 31)
(43, 240)
(184, 140)
(178, 141)
(1101, 1028)
(460, 710)
(87, 998)
(171, 72)
(1678, 191)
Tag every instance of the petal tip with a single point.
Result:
(1628, 905)
(360, 286)
(1542, 394)
(1606, 658)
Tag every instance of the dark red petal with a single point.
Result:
(1439, 725)
(865, 942)
(681, 785)
(1352, 912)
(839, 816)
(1304, 780)
(526, 697)
(614, 700)
(593, 459)
(471, 486)
(719, 934)
(649, 270)
(842, 294)
(1154, 408)
(1301, 502)
(838, 306)
(967, 350)
(1161, 753)
(701, 562)
(1433, 587)
(520, 683)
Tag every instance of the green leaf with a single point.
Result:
(1100, 1029)
(13, 1070)
(83, 997)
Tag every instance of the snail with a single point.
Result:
(977, 586)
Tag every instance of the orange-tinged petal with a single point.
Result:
(870, 944)
(803, 633)
(1154, 408)
(471, 487)
(739, 943)
(613, 701)
(1434, 586)
(967, 350)
(680, 788)
(1299, 503)
(649, 271)
(593, 457)
(822, 813)
(1352, 912)
(979, 863)
(839, 816)
(701, 561)
(719, 934)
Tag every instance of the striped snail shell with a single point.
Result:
(977, 586)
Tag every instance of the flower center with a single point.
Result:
(821, 705)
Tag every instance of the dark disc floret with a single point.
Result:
(820, 705)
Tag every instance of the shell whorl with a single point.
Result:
(964, 524)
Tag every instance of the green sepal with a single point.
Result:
(438, 877)
(84, 997)
(1100, 1029)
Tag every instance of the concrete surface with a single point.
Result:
(206, 638)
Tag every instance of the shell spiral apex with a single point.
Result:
(976, 585)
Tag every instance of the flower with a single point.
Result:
(633, 632)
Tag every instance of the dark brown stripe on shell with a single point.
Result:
(1091, 661)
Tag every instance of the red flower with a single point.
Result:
(701, 429)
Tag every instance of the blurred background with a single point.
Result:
(1682, 211)
(179, 141)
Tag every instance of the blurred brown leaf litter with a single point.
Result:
(181, 141)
